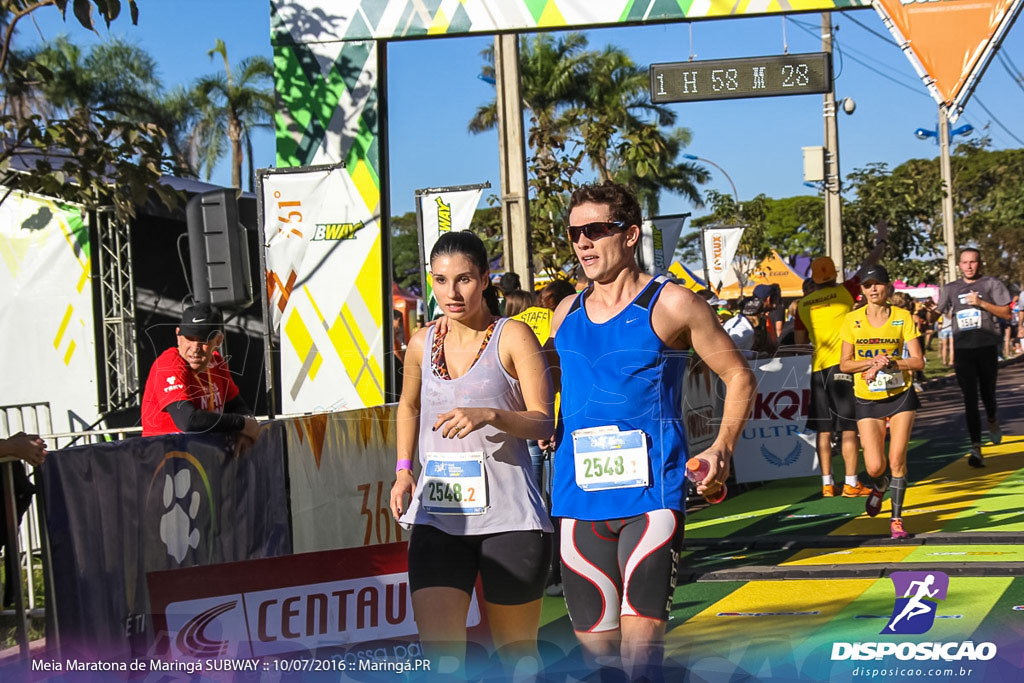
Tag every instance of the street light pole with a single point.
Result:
(945, 137)
(515, 204)
(736, 198)
(948, 232)
(735, 194)
(833, 183)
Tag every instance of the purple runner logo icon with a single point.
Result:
(916, 595)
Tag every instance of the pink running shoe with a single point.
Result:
(896, 527)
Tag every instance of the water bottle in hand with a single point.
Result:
(696, 471)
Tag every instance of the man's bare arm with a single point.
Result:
(695, 320)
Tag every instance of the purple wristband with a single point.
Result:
(403, 464)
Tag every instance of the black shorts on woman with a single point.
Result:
(881, 408)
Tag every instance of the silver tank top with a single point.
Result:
(514, 502)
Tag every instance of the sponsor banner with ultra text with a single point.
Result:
(775, 443)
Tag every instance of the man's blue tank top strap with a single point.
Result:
(620, 374)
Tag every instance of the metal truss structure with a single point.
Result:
(120, 368)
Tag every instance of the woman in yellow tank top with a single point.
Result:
(873, 342)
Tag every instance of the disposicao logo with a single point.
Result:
(916, 595)
(914, 613)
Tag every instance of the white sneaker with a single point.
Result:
(995, 434)
(974, 458)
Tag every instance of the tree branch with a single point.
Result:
(16, 16)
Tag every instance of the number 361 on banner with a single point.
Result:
(723, 79)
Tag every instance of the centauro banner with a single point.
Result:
(658, 239)
(442, 210)
(720, 245)
(949, 42)
(353, 608)
(323, 261)
(47, 325)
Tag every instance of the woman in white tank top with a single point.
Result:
(472, 393)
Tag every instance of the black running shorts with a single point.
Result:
(833, 408)
(620, 567)
(513, 565)
(879, 409)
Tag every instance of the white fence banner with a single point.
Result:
(443, 210)
(775, 443)
(720, 245)
(702, 405)
(340, 469)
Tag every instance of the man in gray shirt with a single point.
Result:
(975, 303)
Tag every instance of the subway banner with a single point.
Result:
(949, 43)
(659, 236)
(116, 511)
(324, 288)
(442, 210)
(340, 470)
(349, 612)
(46, 315)
(775, 443)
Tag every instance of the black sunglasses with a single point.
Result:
(595, 230)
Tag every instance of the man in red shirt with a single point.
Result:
(190, 389)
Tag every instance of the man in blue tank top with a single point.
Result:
(619, 473)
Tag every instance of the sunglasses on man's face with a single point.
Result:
(595, 230)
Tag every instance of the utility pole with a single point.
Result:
(833, 183)
(515, 208)
(948, 233)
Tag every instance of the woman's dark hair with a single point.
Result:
(461, 242)
(472, 247)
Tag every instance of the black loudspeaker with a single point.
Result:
(219, 250)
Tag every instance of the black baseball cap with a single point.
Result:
(875, 273)
(201, 320)
(751, 305)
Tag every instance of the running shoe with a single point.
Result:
(828, 490)
(995, 434)
(873, 504)
(554, 590)
(974, 458)
(856, 491)
(896, 527)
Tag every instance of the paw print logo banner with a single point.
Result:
(118, 511)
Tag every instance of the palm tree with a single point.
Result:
(552, 80)
(115, 78)
(233, 105)
(600, 99)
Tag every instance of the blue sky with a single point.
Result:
(434, 90)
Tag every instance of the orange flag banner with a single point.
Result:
(949, 42)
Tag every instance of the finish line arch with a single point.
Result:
(330, 77)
